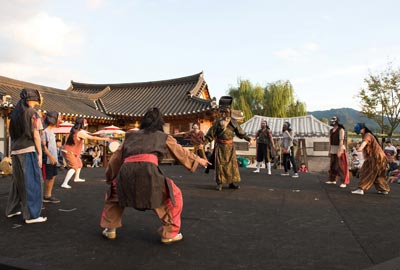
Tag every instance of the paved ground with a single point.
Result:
(272, 222)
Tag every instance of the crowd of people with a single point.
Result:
(133, 173)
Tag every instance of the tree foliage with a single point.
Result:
(247, 98)
(324, 120)
(275, 100)
(380, 99)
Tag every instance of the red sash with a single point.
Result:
(143, 158)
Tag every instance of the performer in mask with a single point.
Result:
(338, 155)
(373, 170)
(265, 146)
(223, 158)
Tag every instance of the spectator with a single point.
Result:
(96, 154)
(390, 149)
(355, 165)
(398, 152)
(393, 174)
(50, 159)
(303, 168)
(89, 149)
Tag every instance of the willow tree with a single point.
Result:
(279, 101)
(380, 99)
(247, 98)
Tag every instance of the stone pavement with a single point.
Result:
(272, 222)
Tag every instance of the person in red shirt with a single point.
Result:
(303, 167)
(72, 150)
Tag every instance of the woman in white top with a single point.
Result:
(288, 151)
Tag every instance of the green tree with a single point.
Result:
(247, 98)
(324, 120)
(275, 100)
(380, 99)
(279, 101)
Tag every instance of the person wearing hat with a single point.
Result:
(50, 159)
(373, 170)
(25, 195)
(264, 147)
(72, 150)
(223, 158)
(337, 152)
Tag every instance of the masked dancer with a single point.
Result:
(373, 170)
(338, 155)
(223, 158)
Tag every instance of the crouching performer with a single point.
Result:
(136, 180)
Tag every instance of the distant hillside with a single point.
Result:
(348, 118)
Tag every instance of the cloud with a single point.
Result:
(288, 54)
(34, 43)
(42, 34)
(40, 74)
(94, 4)
(295, 54)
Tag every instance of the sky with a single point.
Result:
(324, 48)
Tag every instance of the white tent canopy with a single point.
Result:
(63, 128)
(110, 130)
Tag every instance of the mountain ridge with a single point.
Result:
(348, 117)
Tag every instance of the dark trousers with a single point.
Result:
(287, 159)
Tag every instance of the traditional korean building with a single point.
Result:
(183, 101)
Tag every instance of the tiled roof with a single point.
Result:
(54, 99)
(177, 97)
(303, 126)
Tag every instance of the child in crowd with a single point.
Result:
(355, 165)
(303, 168)
(393, 173)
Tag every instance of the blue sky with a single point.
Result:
(324, 48)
